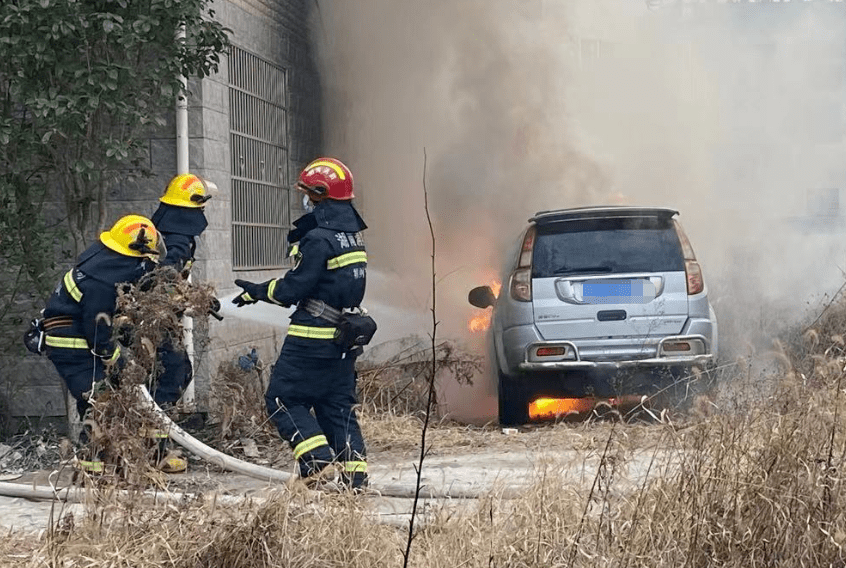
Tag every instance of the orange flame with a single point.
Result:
(555, 407)
(482, 321)
(544, 408)
(496, 286)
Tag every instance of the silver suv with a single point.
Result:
(594, 294)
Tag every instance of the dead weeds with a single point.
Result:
(754, 484)
(122, 429)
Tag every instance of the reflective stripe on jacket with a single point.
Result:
(332, 267)
(312, 332)
(66, 342)
(71, 287)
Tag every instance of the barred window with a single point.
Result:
(259, 152)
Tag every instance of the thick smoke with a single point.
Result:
(768, 223)
(727, 112)
(481, 86)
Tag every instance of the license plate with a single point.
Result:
(615, 289)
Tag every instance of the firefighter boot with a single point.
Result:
(165, 458)
(170, 460)
(324, 479)
(88, 458)
(354, 474)
(356, 482)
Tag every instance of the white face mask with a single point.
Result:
(308, 205)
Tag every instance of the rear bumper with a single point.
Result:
(703, 360)
(651, 356)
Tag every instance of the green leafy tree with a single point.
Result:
(83, 84)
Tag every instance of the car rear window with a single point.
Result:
(607, 246)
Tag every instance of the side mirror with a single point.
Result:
(481, 297)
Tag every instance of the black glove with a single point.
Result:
(252, 293)
(186, 269)
(146, 282)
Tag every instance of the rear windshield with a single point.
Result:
(607, 246)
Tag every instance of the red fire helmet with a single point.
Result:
(327, 177)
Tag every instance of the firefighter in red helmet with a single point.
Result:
(316, 367)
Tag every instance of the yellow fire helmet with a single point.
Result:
(186, 190)
(134, 235)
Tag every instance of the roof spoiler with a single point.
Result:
(601, 212)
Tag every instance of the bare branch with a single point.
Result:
(433, 371)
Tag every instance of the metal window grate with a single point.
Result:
(259, 150)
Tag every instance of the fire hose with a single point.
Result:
(78, 494)
(230, 463)
(211, 455)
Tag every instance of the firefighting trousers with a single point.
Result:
(175, 376)
(298, 385)
(78, 369)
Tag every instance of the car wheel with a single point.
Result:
(513, 401)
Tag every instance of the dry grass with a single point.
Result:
(151, 309)
(400, 384)
(290, 529)
(757, 481)
(734, 490)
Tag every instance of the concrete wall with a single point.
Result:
(277, 31)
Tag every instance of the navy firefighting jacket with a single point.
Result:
(180, 227)
(87, 290)
(330, 266)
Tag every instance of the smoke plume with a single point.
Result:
(727, 112)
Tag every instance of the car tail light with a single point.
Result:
(695, 283)
(527, 248)
(687, 250)
(551, 351)
(521, 285)
(677, 346)
(521, 279)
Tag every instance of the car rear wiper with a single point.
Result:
(602, 269)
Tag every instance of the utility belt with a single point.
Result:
(320, 309)
(38, 336)
(48, 325)
(62, 342)
(353, 327)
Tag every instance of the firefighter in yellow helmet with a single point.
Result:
(181, 219)
(78, 314)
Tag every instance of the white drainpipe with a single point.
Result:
(183, 168)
